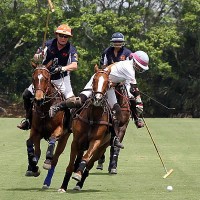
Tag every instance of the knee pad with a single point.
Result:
(27, 94)
(73, 102)
(83, 98)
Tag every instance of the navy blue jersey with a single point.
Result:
(108, 57)
(62, 57)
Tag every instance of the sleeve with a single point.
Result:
(73, 55)
(103, 60)
(46, 52)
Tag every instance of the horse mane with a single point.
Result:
(97, 69)
(35, 64)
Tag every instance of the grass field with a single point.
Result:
(139, 172)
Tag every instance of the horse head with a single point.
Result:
(41, 82)
(100, 87)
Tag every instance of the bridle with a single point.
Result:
(47, 79)
(99, 96)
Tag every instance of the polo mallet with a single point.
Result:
(167, 172)
(51, 7)
(157, 101)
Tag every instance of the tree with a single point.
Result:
(167, 30)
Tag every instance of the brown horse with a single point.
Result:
(90, 132)
(51, 129)
(123, 100)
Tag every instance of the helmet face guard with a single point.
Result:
(138, 68)
(117, 44)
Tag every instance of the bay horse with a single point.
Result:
(123, 100)
(44, 127)
(90, 128)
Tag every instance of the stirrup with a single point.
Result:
(117, 143)
(24, 125)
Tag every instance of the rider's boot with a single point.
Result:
(26, 123)
(138, 121)
(116, 115)
(72, 102)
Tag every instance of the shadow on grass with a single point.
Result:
(102, 173)
(53, 190)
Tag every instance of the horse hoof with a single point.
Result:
(99, 166)
(113, 171)
(61, 190)
(77, 177)
(45, 187)
(47, 164)
(31, 173)
(77, 188)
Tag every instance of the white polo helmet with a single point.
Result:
(141, 59)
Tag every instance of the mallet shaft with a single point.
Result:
(167, 172)
(51, 6)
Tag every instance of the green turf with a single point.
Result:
(139, 172)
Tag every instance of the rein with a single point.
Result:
(125, 97)
(126, 105)
(92, 122)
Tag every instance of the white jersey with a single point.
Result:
(121, 71)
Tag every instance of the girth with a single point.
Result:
(91, 122)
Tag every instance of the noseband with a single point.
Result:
(97, 95)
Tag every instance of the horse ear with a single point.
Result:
(96, 68)
(33, 64)
(49, 64)
(109, 68)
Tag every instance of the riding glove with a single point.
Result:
(59, 68)
(139, 105)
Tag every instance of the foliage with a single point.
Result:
(167, 30)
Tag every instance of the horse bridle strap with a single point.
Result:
(42, 68)
(93, 122)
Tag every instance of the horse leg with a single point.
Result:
(65, 182)
(59, 149)
(70, 167)
(100, 162)
(78, 160)
(114, 153)
(78, 174)
(79, 184)
(33, 169)
(49, 153)
(100, 151)
(94, 144)
(85, 174)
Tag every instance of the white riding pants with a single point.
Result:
(63, 84)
